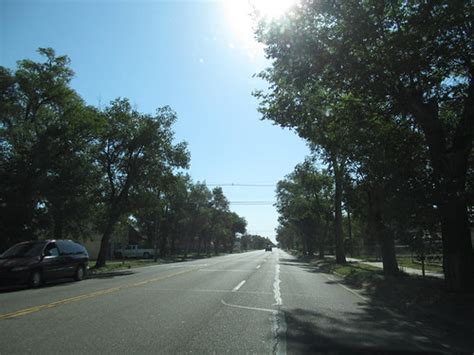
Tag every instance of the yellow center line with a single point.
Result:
(94, 294)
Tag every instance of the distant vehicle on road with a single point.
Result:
(268, 248)
(134, 251)
(35, 262)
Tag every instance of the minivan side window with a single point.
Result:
(68, 247)
(65, 247)
(51, 250)
(78, 248)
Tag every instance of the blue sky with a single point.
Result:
(196, 56)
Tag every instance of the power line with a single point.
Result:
(252, 203)
(243, 185)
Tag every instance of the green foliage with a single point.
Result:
(254, 242)
(384, 90)
(68, 170)
(304, 202)
(46, 164)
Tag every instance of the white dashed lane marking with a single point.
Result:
(236, 288)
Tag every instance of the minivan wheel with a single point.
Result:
(80, 272)
(36, 279)
(146, 255)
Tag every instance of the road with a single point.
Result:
(256, 302)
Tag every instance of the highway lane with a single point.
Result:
(256, 302)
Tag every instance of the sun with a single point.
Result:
(271, 9)
(239, 15)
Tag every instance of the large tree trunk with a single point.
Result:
(199, 245)
(156, 232)
(457, 246)
(58, 222)
(322, 241)
(104, 243)
(163, 244)
(173, 244)
(385, 238)
(450, 164)
(208, 247)
(104, 247)
(216, 247)
(310, 242)
(339, 237)
(349, 230)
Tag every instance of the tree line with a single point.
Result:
(71, 170)
(383, 92)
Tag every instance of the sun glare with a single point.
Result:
(271, 9)
(239, 16)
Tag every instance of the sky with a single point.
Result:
(198, 57)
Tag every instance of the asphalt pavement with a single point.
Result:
(250, 303)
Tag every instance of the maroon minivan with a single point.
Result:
(36, 262)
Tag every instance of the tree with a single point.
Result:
(235, 224)
(152, 205)
(134, 150)
(314, 113)
(253, 241)
(200, 201)
(46, 165)
(416, 60)
(304, 202)
(220, 208)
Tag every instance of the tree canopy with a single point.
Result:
(70, 170)
(371, 80)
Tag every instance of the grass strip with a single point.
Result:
(407, 261)
(118, 265)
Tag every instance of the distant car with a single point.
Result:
(134, 251)
(35, 262)
(268, 248)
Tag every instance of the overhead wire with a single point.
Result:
(243, 185)
(252, 203)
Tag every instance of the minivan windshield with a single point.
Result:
(24, 250)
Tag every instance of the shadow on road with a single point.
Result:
(398, 309)
(65, 282)
(287, 261)
(49, 284)
(370, 331)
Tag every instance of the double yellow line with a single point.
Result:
(25, 311)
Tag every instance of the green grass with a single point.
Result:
(359, 274)
(350, 268)
(401, 292)
(406, 261)
(119, 265)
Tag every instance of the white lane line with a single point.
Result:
(276, 286)
(278, 318)
(236, 288)
(250, 308)
(258, 267)
(210, 291)
(224, 270)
